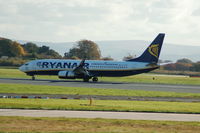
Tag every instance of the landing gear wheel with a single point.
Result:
(95, 79)
(33, 77)
(86, 79)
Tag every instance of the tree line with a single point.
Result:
(13, 53)
(28, 50)
(183, 65)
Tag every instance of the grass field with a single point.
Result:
(103, 105)
(142, 78)
(69, 125)
(44, 89)
(15, 73)
(28, 124)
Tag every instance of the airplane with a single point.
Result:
(92, 69)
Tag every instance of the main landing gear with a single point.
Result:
(94, 79)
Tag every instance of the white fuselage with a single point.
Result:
(45, 66)
(69, 65)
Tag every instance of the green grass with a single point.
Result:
(44, 89)
(9, 67)
(15, 73)
(77, 125)
(103, 105)
(158, 79)
(142, 78)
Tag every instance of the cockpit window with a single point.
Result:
(26, 64)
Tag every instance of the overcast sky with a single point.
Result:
(72, 20)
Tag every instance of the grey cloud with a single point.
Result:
(97, 19)
(163, 4)
(196, 12)
(56, 13)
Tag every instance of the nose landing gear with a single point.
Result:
(33, 77)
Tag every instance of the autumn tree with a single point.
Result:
(11, 49)
(84, 49)
(30, 47)
(184, 60)
(183, 66)
(33, 51)
(128, 57)
(170, 67)
(5, 46)
(17, 49)
(196, 67)
(43, 49)
(107, 58)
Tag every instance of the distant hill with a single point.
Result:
(119, 49)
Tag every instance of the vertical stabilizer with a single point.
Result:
(152, 53)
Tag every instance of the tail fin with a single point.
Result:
(152, 53)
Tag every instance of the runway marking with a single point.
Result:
(101, 114)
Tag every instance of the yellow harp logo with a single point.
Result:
(153, 50)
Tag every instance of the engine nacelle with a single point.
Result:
(66, 75)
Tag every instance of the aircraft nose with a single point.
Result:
(21, 68)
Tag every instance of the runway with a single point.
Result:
(101, 114)
(113, 85)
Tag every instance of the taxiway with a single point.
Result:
(113, 85)
(101, 114)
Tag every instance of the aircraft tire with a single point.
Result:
(33, 77)
(95, 79)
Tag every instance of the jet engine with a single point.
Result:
(66, 75)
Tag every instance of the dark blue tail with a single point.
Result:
(152, 53)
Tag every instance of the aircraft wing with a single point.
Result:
(80, 70)
(166, 63)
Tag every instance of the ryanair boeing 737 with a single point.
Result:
(92, 69)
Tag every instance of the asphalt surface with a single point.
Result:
(101, 114)
(114, 85)
(97, 97)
